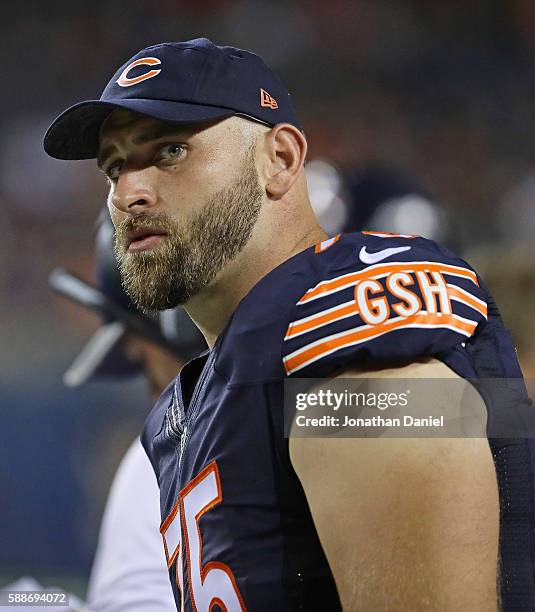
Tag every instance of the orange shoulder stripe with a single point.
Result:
(321, 348)
(347, 309)
(321, 318)
(326, 244)
(463, 296)
(383, 269)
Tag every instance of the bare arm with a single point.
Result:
(406, 524)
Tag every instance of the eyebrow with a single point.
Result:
(158, 131)
(104, 154)
(153, 133)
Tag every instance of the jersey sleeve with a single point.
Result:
(386, 313)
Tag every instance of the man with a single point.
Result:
(129, 571)
(204, 157)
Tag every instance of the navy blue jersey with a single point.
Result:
(236, 526)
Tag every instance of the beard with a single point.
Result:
(190, 256)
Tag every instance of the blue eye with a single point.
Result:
(112, 171)
(171, 151)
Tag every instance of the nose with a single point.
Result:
(133, 192)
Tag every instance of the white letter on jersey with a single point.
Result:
(396, 284)
(373, 311)
(429, 290)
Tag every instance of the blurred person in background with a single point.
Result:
(508, 265)
(510, 274)
(375, 197)
(129, 571)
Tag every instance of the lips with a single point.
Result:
(144, 238)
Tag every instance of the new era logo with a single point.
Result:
(267, 100)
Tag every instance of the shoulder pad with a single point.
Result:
(386, 300)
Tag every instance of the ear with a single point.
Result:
(286, 149)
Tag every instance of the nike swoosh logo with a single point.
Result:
(371, 258)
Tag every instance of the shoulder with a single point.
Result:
(382, 299)
(249, 349)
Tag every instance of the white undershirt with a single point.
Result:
(130, 573)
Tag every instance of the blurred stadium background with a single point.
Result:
(441, 91)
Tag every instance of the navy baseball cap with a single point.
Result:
(183, 82)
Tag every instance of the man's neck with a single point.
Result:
(212, 308)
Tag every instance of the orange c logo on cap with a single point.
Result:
(124, 81)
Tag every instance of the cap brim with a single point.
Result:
(75, 133)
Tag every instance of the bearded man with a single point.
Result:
(204, 157)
